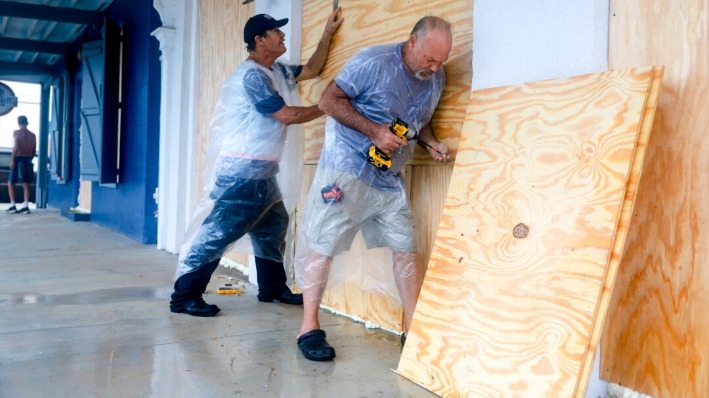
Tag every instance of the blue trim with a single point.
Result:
(76, 216)
(35, 46)
(49, 13)
(24, 72)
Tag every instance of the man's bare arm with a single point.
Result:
(14, 150)
(336, 103)
(437, 150)
(297, 114)
(312, 69)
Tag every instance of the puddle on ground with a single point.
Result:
(103, 296)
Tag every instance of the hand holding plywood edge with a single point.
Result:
(527, 241)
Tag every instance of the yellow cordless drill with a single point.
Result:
(382, 160)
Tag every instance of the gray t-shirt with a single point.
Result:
(381, 90)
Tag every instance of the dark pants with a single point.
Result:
(241, 206)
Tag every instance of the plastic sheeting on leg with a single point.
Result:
(359, 230)
(252, 173)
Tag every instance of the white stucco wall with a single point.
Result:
(518, 41)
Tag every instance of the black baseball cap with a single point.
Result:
(22, 120)
(259, 24)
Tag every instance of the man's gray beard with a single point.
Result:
(424, 74)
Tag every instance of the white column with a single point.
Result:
(190, 184)
(178, 110)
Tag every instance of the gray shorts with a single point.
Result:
(384, 217)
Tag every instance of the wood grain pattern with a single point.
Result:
(221, 50)
(501, 316)
(621, 231)
(657, 329)
(369, 23)
(428, 187)
(348, 299)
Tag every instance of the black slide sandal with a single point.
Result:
(314, 346)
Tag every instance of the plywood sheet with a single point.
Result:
(622, 229)
(348, 299)
(519, 263)
(370, 23)
(657, 328)
(221, 50)
(428, 186)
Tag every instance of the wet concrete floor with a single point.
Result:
(84, 313)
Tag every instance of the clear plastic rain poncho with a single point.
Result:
(252, 173)
(355, 212)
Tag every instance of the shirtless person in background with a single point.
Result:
(23, 150)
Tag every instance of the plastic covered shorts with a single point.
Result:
(354, 233)
(252, 177)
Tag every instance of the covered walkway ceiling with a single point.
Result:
(34, 34)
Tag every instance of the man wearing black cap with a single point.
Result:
(23, 151)
(248, 138)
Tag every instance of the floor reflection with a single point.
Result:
(102, 296)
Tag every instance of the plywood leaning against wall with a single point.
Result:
(221, 50)
(656, 333)
(371, 22)
(528, 235)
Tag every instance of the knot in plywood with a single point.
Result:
(520, 231)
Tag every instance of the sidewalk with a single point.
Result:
(84, 313)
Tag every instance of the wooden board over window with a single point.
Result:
(221, 51)
(511, 300)
(369, 23)
(657, 331)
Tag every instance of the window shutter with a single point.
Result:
(64, 165)
(91, 92)
(55, 133)
(99, 108)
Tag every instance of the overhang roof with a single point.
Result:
(34, 34)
